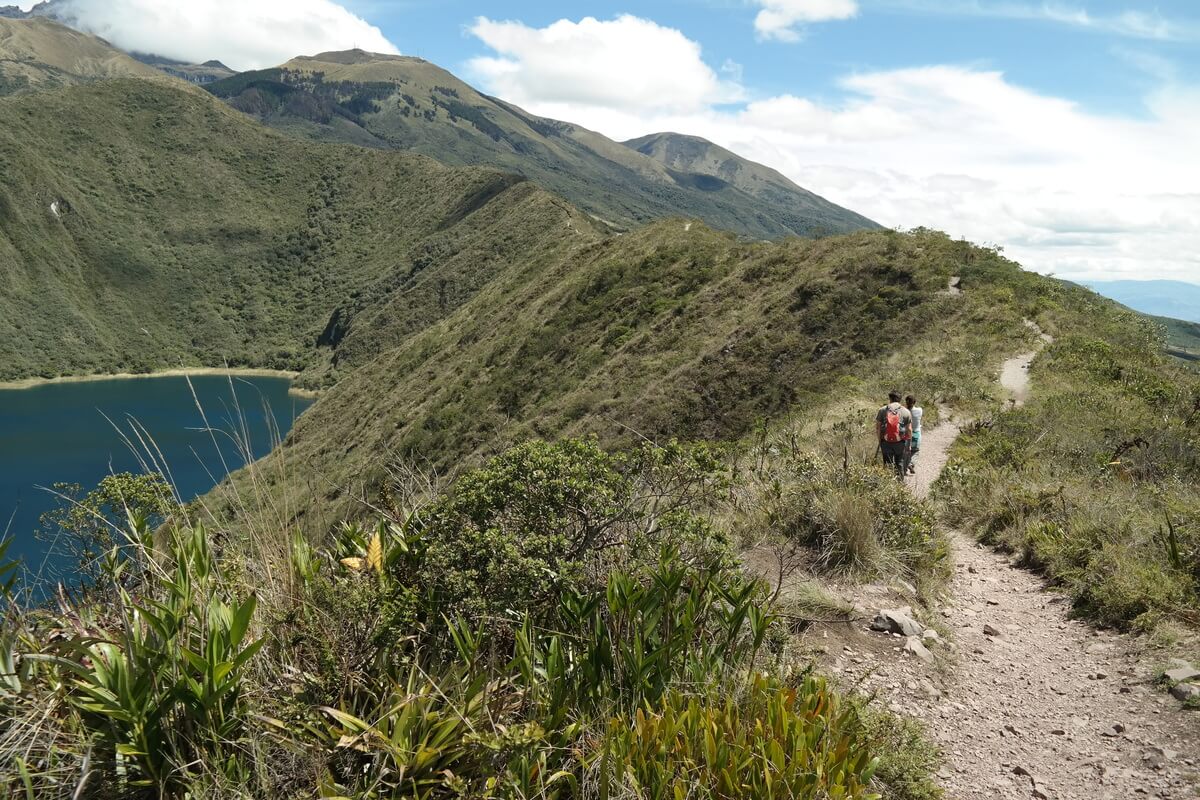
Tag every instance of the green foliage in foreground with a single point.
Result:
(542, 516)
(639, 669)
(1095, 480)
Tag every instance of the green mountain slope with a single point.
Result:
(1183, 338)
(38, 54)
(143, 225)
(674, 330)
(691, 155)
(406, 103)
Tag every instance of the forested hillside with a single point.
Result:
(183, 233)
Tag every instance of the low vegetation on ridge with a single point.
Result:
(1095, 480)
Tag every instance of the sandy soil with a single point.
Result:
(29, 383)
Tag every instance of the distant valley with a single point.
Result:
(1175, 299)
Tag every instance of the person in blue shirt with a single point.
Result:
(914, 446)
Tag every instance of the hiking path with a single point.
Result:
(1023, 700)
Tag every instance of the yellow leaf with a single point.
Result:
(375, 553)
(353, 563)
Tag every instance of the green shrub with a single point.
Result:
(542, 519)
(88, 526)
(770, 741)
(504, 715)
(907, 759)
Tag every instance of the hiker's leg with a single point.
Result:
(893, 456)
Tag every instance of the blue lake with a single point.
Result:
(72, 433)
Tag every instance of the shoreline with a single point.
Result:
(175, 372)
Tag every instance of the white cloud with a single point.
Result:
(626, 63)
(1064, 190)
(780, 19)
(245, 34)
(1137, 24)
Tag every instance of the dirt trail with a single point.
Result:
(1047, 707)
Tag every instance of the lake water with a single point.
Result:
(72, 433)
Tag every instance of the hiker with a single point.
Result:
(914, 446)
(893, 428)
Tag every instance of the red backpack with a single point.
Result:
(895, 429)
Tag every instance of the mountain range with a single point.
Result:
(397, 102)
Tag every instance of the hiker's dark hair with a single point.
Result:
(910, 400)
(894, 397)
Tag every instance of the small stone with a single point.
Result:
(1012, 730)
(993, 602)
(991, 630)
(913, 645)
(1114, 730)
(1019, 770)
(930, 635)
(1039, 794)
(1157, 758)
(897, 620)
(1097, 676)
(1126, 690)
(1058, 732)
(1185, 691)
(1182, 674)
(971, 569)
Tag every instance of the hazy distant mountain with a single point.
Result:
(1175, 299)
(208, 72)
(411, 104)
(48, 9)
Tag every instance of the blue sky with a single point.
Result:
(1061, 130)
(1105, 66)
